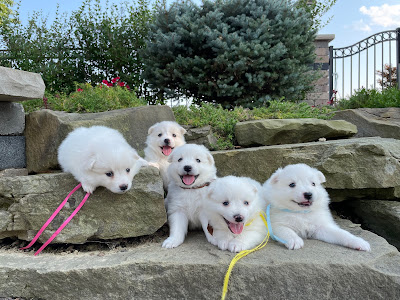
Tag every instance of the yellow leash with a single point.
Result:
(243, 254)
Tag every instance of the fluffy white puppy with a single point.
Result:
(233, 211)
(161, 140)
(191, 171)
(299, 209)
(99, 156)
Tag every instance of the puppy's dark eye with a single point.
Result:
(174, 135)
(313, 184)
(292, 185)
(246, 202)
(160, 134)
(179, 160)
(225, 203)
(198, 160)
(128, 170)
(110, 174)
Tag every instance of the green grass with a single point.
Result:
(372, 99)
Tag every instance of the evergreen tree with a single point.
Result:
(232, 52)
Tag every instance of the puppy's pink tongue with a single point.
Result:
(236, 228)
(188, 179)
(166, 150)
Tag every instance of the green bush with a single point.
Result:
(389, 97)
(223, 121)
(87, 99)
(231, 52)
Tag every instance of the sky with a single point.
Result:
(352, 20)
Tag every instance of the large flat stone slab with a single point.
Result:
(16, 85)
(196, 270)
(12, 152)
(26, 202)
(12, 118)
(383, 122)
(290, 131)
(351, 164)
(46, 129)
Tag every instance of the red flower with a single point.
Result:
(121, 84)
(105, 82)
(128, 87)
(79, 90)
(114, 80)
(109, 84)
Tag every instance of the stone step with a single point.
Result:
(17, 85)
(196, 270)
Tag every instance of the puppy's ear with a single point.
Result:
(89, 165)
(151, 129)
(275, 177)
(182, 130)
(210, 159)
(321, 177)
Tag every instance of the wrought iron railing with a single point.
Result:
(348, 64)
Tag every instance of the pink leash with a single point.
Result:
(53, 216)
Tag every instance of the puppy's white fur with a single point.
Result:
(162, 139)
(99, 156)
(190, 171)
(299, 209)
(233, 210)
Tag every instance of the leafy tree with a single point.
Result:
(232, 52)
(91, 44)
(316, 9)
(5, 10)
(389, 77)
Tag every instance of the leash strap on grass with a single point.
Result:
(53, 216)
(243, 254)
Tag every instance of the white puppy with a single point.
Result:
(99, 156)
(191, 171)
(233, 210)
(299, 209)
(162, 139)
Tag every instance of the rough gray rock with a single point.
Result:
(16, 85)
(46, 129)
(12, 118)
(383, 122)
(26, 202)
(196, 270)
(200, 136)
(290, 131)
(383, 217)
(13, 172)
(12, 152)
(351, 164)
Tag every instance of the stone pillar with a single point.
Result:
(15, 85)
(320, 95)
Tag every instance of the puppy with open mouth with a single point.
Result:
(299, 209)
(233, 210)
(190, 172)
(162, 139)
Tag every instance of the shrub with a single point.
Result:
(231, 52)
(389, 97)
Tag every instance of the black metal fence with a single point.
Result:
(370, 63)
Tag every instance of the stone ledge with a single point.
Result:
(196, 269)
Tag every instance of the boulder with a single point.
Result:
(12, 152)
(26, 202)
(12, 118)
(16, 85)
(383, 122)
(350, 164)
(196, 270)
(46, 129)
(290, 131)
(200, 136)
(382, 217)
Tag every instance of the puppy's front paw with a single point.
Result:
(171, 242)
(212, 240)
(236, 246)
(88, 188)
(359, 244)
(153, 164)
(223, 244)
(295, 243)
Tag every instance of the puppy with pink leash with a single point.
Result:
(95, 156)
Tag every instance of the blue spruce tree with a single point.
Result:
(231, 52)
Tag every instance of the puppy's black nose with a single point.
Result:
(238, 218)
(187, 168)
(123, 187)
(166, 141)
(307, 196)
